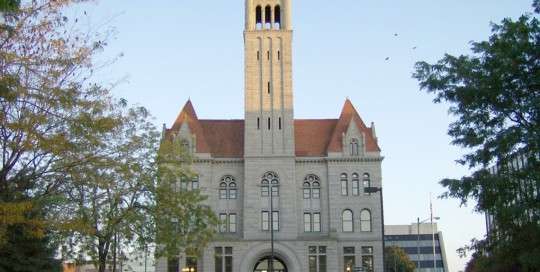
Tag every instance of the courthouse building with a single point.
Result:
(314, 170)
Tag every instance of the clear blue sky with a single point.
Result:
(174, 50)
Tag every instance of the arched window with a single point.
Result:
(277, 17)
(307, 190)
(258, 17)
(312, 187)
(354, 147)
(347, 221)
(195, 183)
(355, 184)
(270, 183)
(365, 220)
(185, 146)
(228, 188)
(366, 182)
(344, 187)
(268, 17)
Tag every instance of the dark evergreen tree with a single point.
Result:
(26, 253)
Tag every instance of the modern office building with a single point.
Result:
(423, 244)
(302, 180)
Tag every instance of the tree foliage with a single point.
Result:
(38, 253)
(184, 223)
(397, 260)
(78, 166)
(9, 5)
(494, 93)
(105, 203)
(48, 111)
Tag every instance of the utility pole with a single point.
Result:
(271, 265)
(418, 242)
(380, 190)
(432, 234)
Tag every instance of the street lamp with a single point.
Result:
(431, 218)
(273, 187)
(374, 190)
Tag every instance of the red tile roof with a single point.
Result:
(313, 137)
(225, 137)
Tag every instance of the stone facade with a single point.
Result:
(339, 157)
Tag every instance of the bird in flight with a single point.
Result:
(387, 58)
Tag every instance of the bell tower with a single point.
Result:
(269, 120)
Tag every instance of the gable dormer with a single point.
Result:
(351, 132)
(353, 141)
(188, 132)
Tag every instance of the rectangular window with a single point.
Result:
(269, 87)
(344, 188)
(264, 191)
(275, 190)
(366, 184)
(349, 260)
(184, 185)
(279, 123)
(222, 193)
(317, 259)
(307, 222)
(232, 193)
(258, 55)
(265, 218)
(258, 123)
(355, 187)
(191, 263)
(222, 222)
(316, 193)
(173, 265)
(316, 222)
(232, 223)
(275, 218)
(269, 127)
(367, 258)
(223, 258)
(195, 183)
(307, 193)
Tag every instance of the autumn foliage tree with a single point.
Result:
(494, 93)
(80, 168)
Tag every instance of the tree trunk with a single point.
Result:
(103, 252)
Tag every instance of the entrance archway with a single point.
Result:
(263, 265)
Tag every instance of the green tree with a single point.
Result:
(184, 224)
(9, 5)
(135, 196)
(494, 93)
(105, 203)
(397, 260)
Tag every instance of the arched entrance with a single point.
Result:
(263, 265)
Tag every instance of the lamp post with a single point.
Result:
(271, 265)
(374, 190)
(418, 222)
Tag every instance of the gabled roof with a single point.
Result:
(348, 114)
(188, 115)
(313, 137)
